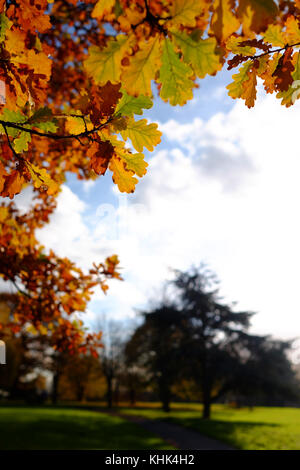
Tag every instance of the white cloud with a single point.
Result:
(227, 192)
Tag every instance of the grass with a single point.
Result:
(262, 428)
(64, 428)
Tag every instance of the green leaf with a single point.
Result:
(49, 126)
(12, 116)
(21, 143)
(201, 55)
(174, 77)
(5, 24)
(129, 105)
(41, 114)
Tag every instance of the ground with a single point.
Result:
(72, 428)
(261, 428)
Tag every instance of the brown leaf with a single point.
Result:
(283, 71)
(100, 153)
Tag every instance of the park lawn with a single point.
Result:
(267, 428)
(45, 428)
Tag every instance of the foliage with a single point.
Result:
(201, 340)
(77, 77)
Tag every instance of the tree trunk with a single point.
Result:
(206, 401)
(165, 396)
(109, 394)
(132, 398)
(54, 395)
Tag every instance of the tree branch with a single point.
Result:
(19, 127)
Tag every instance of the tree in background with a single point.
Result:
(111, 357)
(201, 339)
(155, 348)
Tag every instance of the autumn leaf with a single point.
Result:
(121, 176)
(135, 162)
(275, 36)
(5, 24)
(100, 153)
(289, 96)
(283, 71)
(233, 44)
(12, 184)
(255, 15)
(137, 77)
(102, 7)
(201, 55)
(244, 84)
(103, 65)
(142, 134)
(175, 76)
(21, 143)
(41, 178)
(224, 21)
(184, 12)
(292, 30)
(130, 105)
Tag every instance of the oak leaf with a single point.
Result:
(142, 134)
(137, 77)
(201, 54)
(129, 105)
(102, 7)
(101, 153)
(103, 65)
(121, 176)
(184, 12)
(224, 21)
(177, 87)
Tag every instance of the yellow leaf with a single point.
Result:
(142, 134)
(137, 77)
(292, 30)
(40, 178)
(121, 176)
(244, 84)
(233, 45)
(184, 12)
(75, 125)
(224, 22)
(102, 7)
(134, 162)
(104, 65)
(275, 36)
(249, 87)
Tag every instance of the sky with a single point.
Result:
(221, 188)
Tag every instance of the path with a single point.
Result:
(177, 436)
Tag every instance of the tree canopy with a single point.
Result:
(201, 339)
(75, 78)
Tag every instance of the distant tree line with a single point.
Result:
(189, 346)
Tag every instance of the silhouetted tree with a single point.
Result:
(200, 338)
(155, 347)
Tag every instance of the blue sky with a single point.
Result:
(222, 187)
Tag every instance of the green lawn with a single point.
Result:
(46, 428)
(262, 428)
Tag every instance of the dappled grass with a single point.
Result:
(60, 428)
(262, 428)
